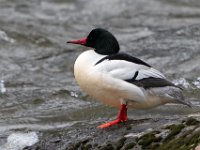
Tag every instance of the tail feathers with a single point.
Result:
(184, 102)
(172, 94)
(179, 98)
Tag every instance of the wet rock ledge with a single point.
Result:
(147, 134)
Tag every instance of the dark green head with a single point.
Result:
(101, 40)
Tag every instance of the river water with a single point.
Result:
(36, 65)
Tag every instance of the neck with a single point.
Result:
(107, 50)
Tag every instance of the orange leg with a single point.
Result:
(122, 117)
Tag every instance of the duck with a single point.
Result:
(119, 79)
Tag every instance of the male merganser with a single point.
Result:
(119, 79)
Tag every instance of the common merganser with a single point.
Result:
(120, 80)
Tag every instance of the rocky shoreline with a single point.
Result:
(165, 134)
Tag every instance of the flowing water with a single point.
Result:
(38, 90)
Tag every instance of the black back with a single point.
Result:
(123, 56)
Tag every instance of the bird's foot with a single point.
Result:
(122, 117)
(109, 124)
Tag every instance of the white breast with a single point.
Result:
(84, 71)
(88, 77)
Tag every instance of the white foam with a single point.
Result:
(73, 94)
(4, 36)
(194, 115)
(197, 83)
(134, 135)
(183, 82)
(19, 140)
(2, 87)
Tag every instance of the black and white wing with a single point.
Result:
(141, 74)
(132, 70)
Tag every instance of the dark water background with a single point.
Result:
(37, 66)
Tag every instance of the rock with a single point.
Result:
(129, 145)
(178, 135)
(107, 147)
(191, 121)
(174, 130)
(120, 143)
(146, 140)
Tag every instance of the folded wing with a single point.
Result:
(132, 69)
(141, 74)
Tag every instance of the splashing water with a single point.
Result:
(183, 82)
(197, 83)
(17, 141)
(73, 94)
(2, 87)
(4, 36)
